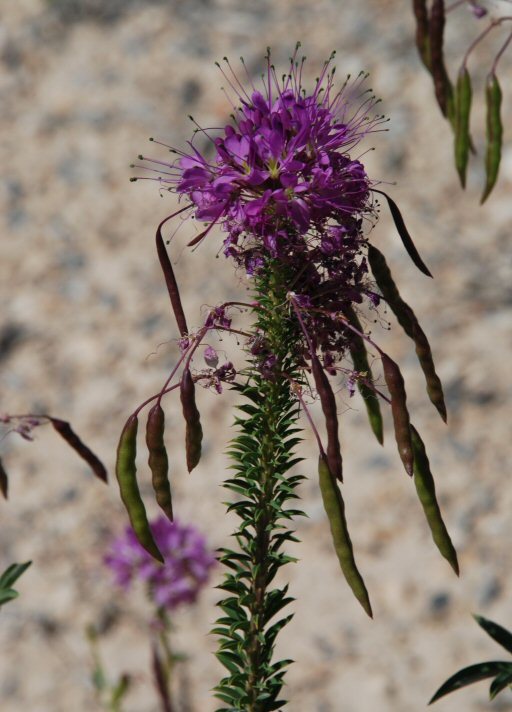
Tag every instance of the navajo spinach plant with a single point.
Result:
(295, 208)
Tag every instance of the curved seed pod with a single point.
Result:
(170, 281)
(493, 97)
(422, 31)
(194, 431)
(463, 96)
(65, 431)
(426, 489)
(335, 510)
(442, 85)
(4, 481)
(158, 460)
(404, 234)
(126, 473)
(328, 402)
(360, 361)
(409, 323)
(395, 383)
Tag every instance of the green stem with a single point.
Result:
(262, 455)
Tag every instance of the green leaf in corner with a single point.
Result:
(7, 594)
(496, 632)
(12, 574)
(500, 683)
(469, 675)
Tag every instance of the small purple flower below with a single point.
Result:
(188, 562)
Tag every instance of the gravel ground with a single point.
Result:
(85, 333)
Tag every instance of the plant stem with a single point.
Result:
(262, 454)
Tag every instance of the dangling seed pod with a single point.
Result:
(395, 383)
(335, 510)
(4, 481)
(360, 360)
(442, 86)
(65, 431)
(463, 96)
(426, 489)
(328, 402)
(158, 460)
(409, 323)
(126, 473)
(194, 431)
(493, 97)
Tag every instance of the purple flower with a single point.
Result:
(283, 186)
(188, 562)
(211, 357)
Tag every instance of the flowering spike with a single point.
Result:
(294, 205)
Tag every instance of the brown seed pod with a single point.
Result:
(328, 403)
(442, 85)
(170, 280)
(4, 481)
(422, 31)
(404, 234)
(158, 460)
(194, 431)
(409, 323)
(395, 383)
(65, 431)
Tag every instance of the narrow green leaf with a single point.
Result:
(496, 632)
(12, 574)
(500, 683)
(7, 594)
(469, 675)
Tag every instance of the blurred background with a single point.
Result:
(86, 334)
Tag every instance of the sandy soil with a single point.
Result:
(83, 311)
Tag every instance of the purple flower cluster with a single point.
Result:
(188, 563)
(283, 187)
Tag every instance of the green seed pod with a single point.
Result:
(493, 97)
(409, 323)
(426, 489)
(335, 510)
(463, 96)
(4, 481)
(328, 402)
(158, 460)
(395, 383)
(126, 473)
(194, 431)
(360, 361)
